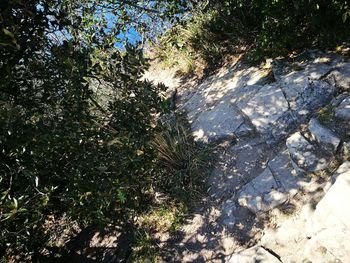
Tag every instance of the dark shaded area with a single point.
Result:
(109, 245)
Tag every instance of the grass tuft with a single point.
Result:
(326, 114)
(185, 162)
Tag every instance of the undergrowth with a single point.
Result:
(199, 42)
(159, 221)
(259, 29)
(183, 167)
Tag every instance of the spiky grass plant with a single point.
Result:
(184, 163)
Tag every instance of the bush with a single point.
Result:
(62, 151)
(199, 42)
(267, 28)
(61, 155)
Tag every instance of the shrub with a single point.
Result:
(199, 42)
(62, 153)
(267, 28)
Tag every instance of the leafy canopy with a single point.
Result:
(76, 122)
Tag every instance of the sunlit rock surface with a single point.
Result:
(221, 121)
(253, 255)
(305, 155)
(325, 137)
(274, 157)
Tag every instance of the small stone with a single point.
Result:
(338, 99)
(244, 130)
(253, 255)
(304, 154)
(326, 138)
(346, 149)
(343, 110)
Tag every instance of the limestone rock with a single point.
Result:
(284, 173)
(338, 99)
(262, 193)
(219, 122)
(326, 138)
(266, 108)
(304, 154)
(329, 226)
(236, 166)
(346, 149)
(241, 101)
(313, 65)
(286, 123)
(341, 76)
(313, 71)
(243, 94)
(236, 83)
(333, 210)
(343, 110)
(229, 216)
(253, 255)
(288, 236)
(342, 169)
(305, 96)
(280, 68)
(328, 245)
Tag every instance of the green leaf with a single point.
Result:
(4, 195)
(121, 196)
(8, 33)
(15, 203)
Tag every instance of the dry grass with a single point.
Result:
(159, 221)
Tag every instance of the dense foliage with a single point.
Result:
(65, 149)
(79, 130)
(265, 28)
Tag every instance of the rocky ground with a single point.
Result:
(280, 187)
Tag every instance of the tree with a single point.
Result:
(63, 149)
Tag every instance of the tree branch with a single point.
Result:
(148, 9)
